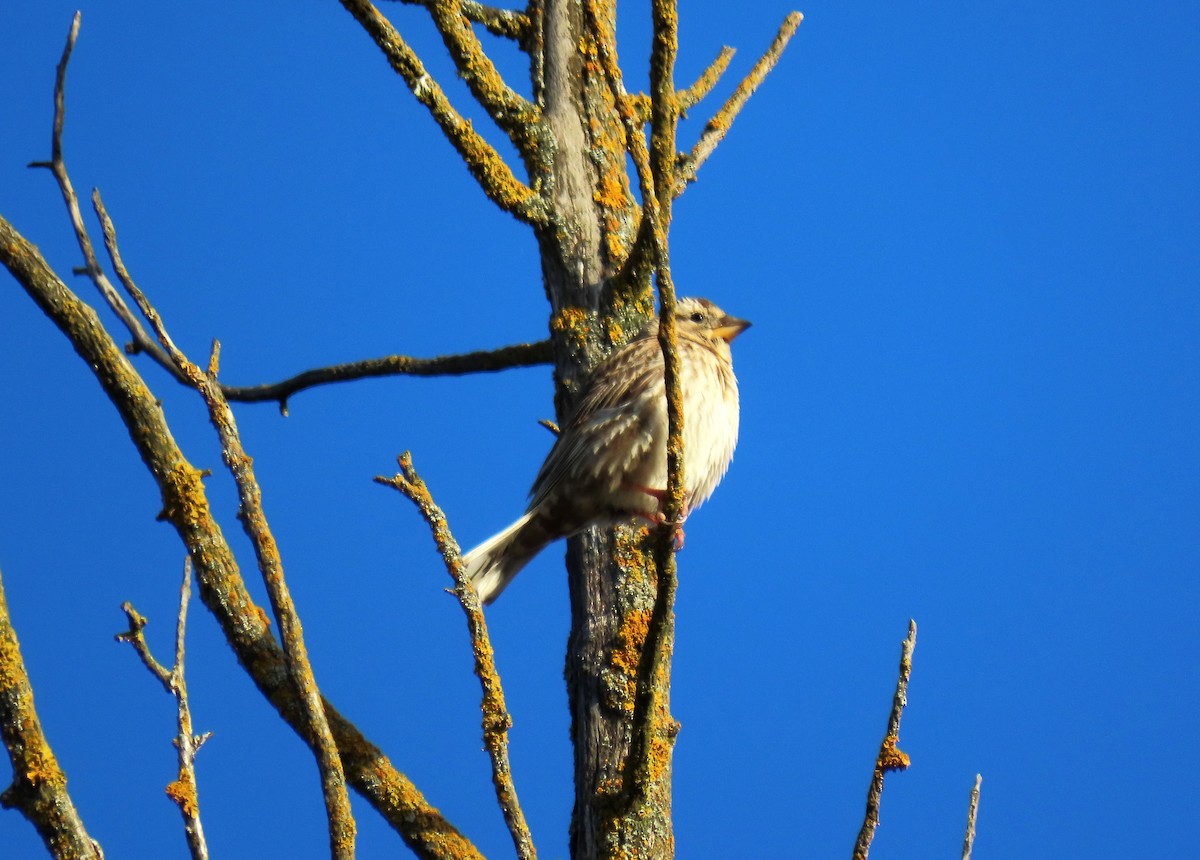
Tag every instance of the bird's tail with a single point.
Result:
(492, 565)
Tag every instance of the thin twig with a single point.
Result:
(142, 341)
(254, 523)
(496, 719)
(689, 97)
(890, 756)
(481, 361)
(482, 160)
(186, 507)
(39, 786)
(717, 127)
(972, 814)
(183, 791)
(506, 23)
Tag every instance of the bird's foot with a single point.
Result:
(659, 517)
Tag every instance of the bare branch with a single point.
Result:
(717, 127)
(183, 790)
(890, 756)
(664, 117)
(482, 361)
(39, 786)
(186, 508)
(518, 118)
(135, 637)
(506, 23)
(482, 160)
(519, 355)
(496, 719)
(972, 814)
(693, 95)
(254, 523)
(688, 98)
(58, 167)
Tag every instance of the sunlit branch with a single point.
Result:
(224, 592)
(890, 756)
(183, 791)
(519, 118)
(506, 23)
(482, 160)
(496, 719)
(717, 127)
(39, 786)
(972, 815)
(688, 98)
(254, 523)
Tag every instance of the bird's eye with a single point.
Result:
(697, 317)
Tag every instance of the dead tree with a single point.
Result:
(602, 235)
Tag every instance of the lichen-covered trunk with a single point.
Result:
(597, 301)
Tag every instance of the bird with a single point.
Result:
(609, 460)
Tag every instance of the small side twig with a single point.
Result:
(890, 756)
(506, 23)
(717, 127)
(496, 719)
(690, 96)
(183, 791)
(972, 814)
(39, 786)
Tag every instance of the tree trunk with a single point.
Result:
(598, 301)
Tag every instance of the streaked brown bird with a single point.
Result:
(609, 462)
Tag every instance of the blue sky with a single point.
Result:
(967, 235)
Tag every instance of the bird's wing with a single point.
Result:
(613, 426)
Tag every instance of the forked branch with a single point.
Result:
(482, 160)
(496, 719)
(254, 523)
(142, 341)
(183, 791)
(517, 117)
(224, 592)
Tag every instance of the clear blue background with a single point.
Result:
(969, 237)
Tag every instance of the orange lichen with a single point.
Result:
(183, 792)
(891, 757)
(573, 322)
(627, 654)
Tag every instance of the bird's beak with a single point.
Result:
(730, 328)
